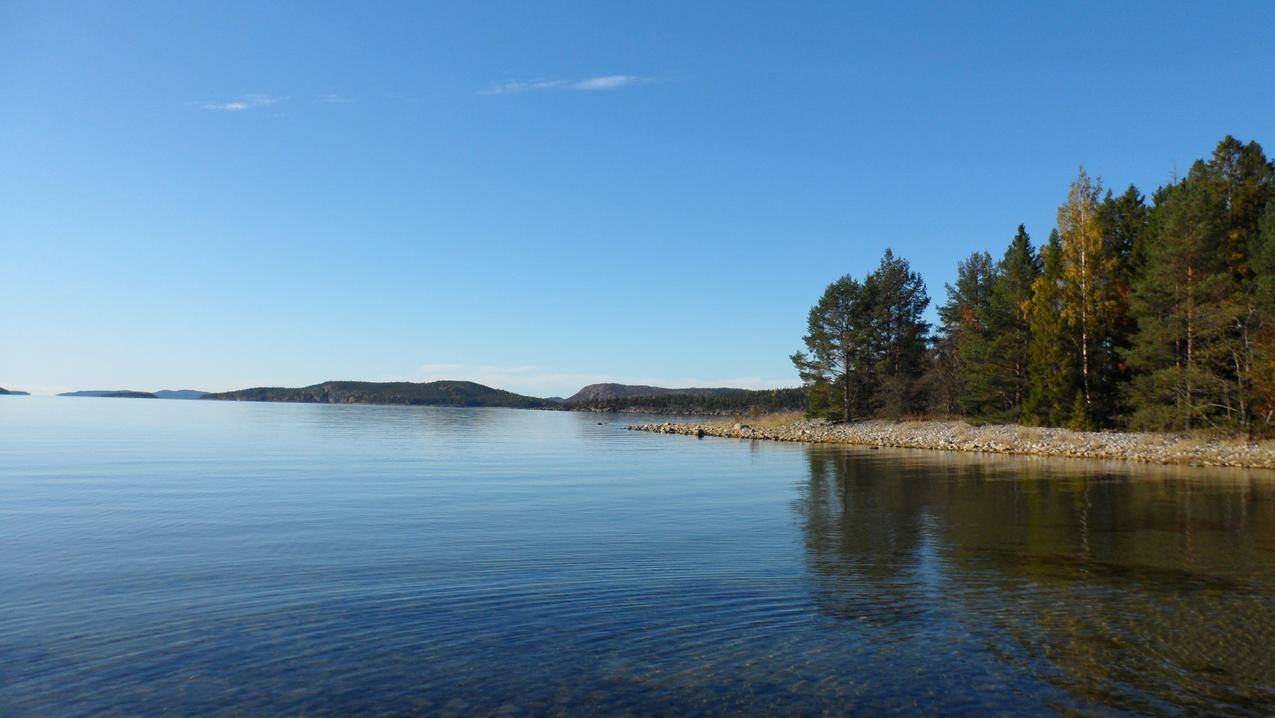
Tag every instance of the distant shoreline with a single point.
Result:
(701, 401)
(942, 435)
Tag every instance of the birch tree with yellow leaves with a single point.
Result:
(1090, 298)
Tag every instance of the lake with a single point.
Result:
(194, 557)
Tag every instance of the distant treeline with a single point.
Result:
(1143, 314)
(436, 393)
(720, 401)
(597, 397)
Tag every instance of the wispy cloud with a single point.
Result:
(607, 82)
(591, 84)
(332, 98)
(243, 103)
(510, 87)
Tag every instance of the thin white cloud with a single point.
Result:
(606, 82)
(244, 102)
(510, 87)
(591, 84)
(333, 98)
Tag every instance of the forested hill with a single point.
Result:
(434, 393)
(110, 394)
(7, 392)
(661, 400)
(610, 392)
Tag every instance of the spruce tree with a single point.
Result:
(1009, 327)
(898, 299)
(964, 326)
(1051, 362)
(1124, 223)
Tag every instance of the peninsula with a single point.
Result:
(957, 435)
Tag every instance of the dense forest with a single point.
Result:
(695, 401)
(1145, 314)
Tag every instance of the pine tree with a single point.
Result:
(838, 338)
(1262, 252)
(1201, 312)
(1173, 301)
(1245, 181)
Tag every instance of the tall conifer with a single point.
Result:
(1009, 326)
(1051, 361)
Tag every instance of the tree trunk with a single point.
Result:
(1084, 323)
(845, 390)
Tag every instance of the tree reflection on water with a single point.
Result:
(1137, 588)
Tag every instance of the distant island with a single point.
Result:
(595, 397)
(131, 394)
(434, 393)
(111, 394)
(13, 392)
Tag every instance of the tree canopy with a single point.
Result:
(1143, 314)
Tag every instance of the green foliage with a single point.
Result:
(837, 365)
(718, 401)
(985, 331)
(897, 300)
(1009, 328)
(1262, 251)
(1081, 417)
(1051, 361)
(964, 323)
(1092, 296)
(1156, 316)
(866, 344)
(1200, 354)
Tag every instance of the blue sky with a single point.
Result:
(536, 196)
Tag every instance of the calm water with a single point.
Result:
(247, 559)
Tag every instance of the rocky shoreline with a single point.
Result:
(1154, 448)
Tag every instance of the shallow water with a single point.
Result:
(247, 559)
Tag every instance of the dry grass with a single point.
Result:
(767, 421)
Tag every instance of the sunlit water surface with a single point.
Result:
(248, 559)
